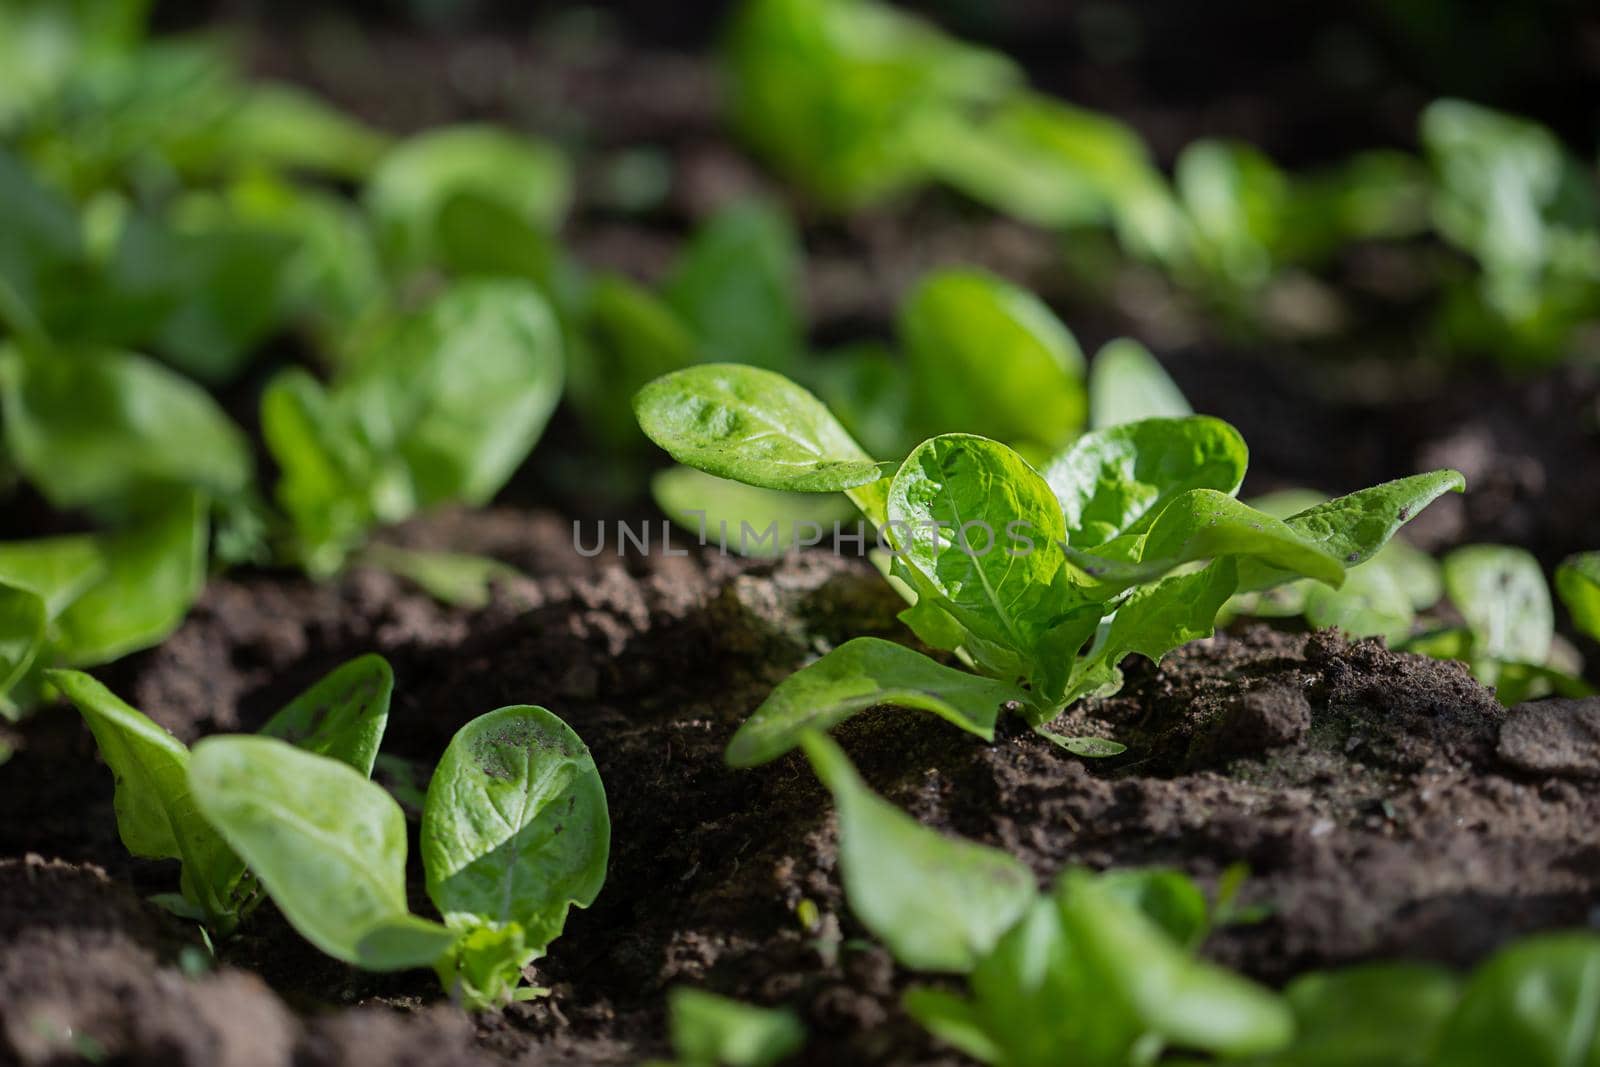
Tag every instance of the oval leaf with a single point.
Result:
(993, 358)
(1534, 1004)
(328, 845)
(1502, 594)
(861, 674)
(983, 529)
(515, 829)
(1126, 384)
(753, 426)
(1578, 582)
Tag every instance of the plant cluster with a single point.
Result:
(1101, 970)
(855, 101)
(515, 828)
(1130, 540)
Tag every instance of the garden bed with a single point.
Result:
(1363, 788)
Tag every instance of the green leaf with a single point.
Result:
(992, 360)
(1578, 583)
(1502, 594)
(475, 381)
(157, 816)
(708, 1031)
(1376, 1015)
(1381, 597)
(1126, 384)
(343, 716)
(459, 579)
(1152, 622)
(23, 616)
(1354, 527)
(56, 569)
(154, 570)
(41, 249)
(1535, 1004)
(103, 430)
(861, 674)
(630, 337)
(414, 181)
(1202, 524)
(938, 903)
(328, 845)
(1188, 1003)
(746, 520)
(1168, 898)
(477, 234)
(737, 286)
(515, 832)
(752, 426)
(281, 126)
(982, 528)
(1117, 481)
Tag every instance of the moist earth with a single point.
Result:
(1380, 801)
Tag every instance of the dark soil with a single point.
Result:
(1365, 790)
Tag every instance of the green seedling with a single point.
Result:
(1123, 942)
(85, 599)
(515, 831)
(1578, 585)
(1509, 637)
(711, 1031)
(341, 718)
(1129, 541)
(441, 407)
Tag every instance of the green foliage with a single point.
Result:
(441, 407)
(328, 845)
(515, 831)
(158, 814)
(106, 431)
(1049, 580)
(990, 358)
(938, 903)
(1509, 637)
(414, 183)
(835, 92)
(741, 518)
(1126, 384)
(1578, 584)
(712, 1031)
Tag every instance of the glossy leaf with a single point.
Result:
(938, 903)
(1115, 482)
(993, 360)
(1126, 384)
(1578, 583)
(982, 528)
(630, 337)
(157, 815)
(861, 674)
(515, 832)
(1354, 527)
(752, 426)
(328, 845)
(343, 716)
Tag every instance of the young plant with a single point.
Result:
(712, 1031)
(342, 718)
(1509, 637)
(515, 831)
(1099, 972)
(1044, 582)
(440, 407)
(1578, 584)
